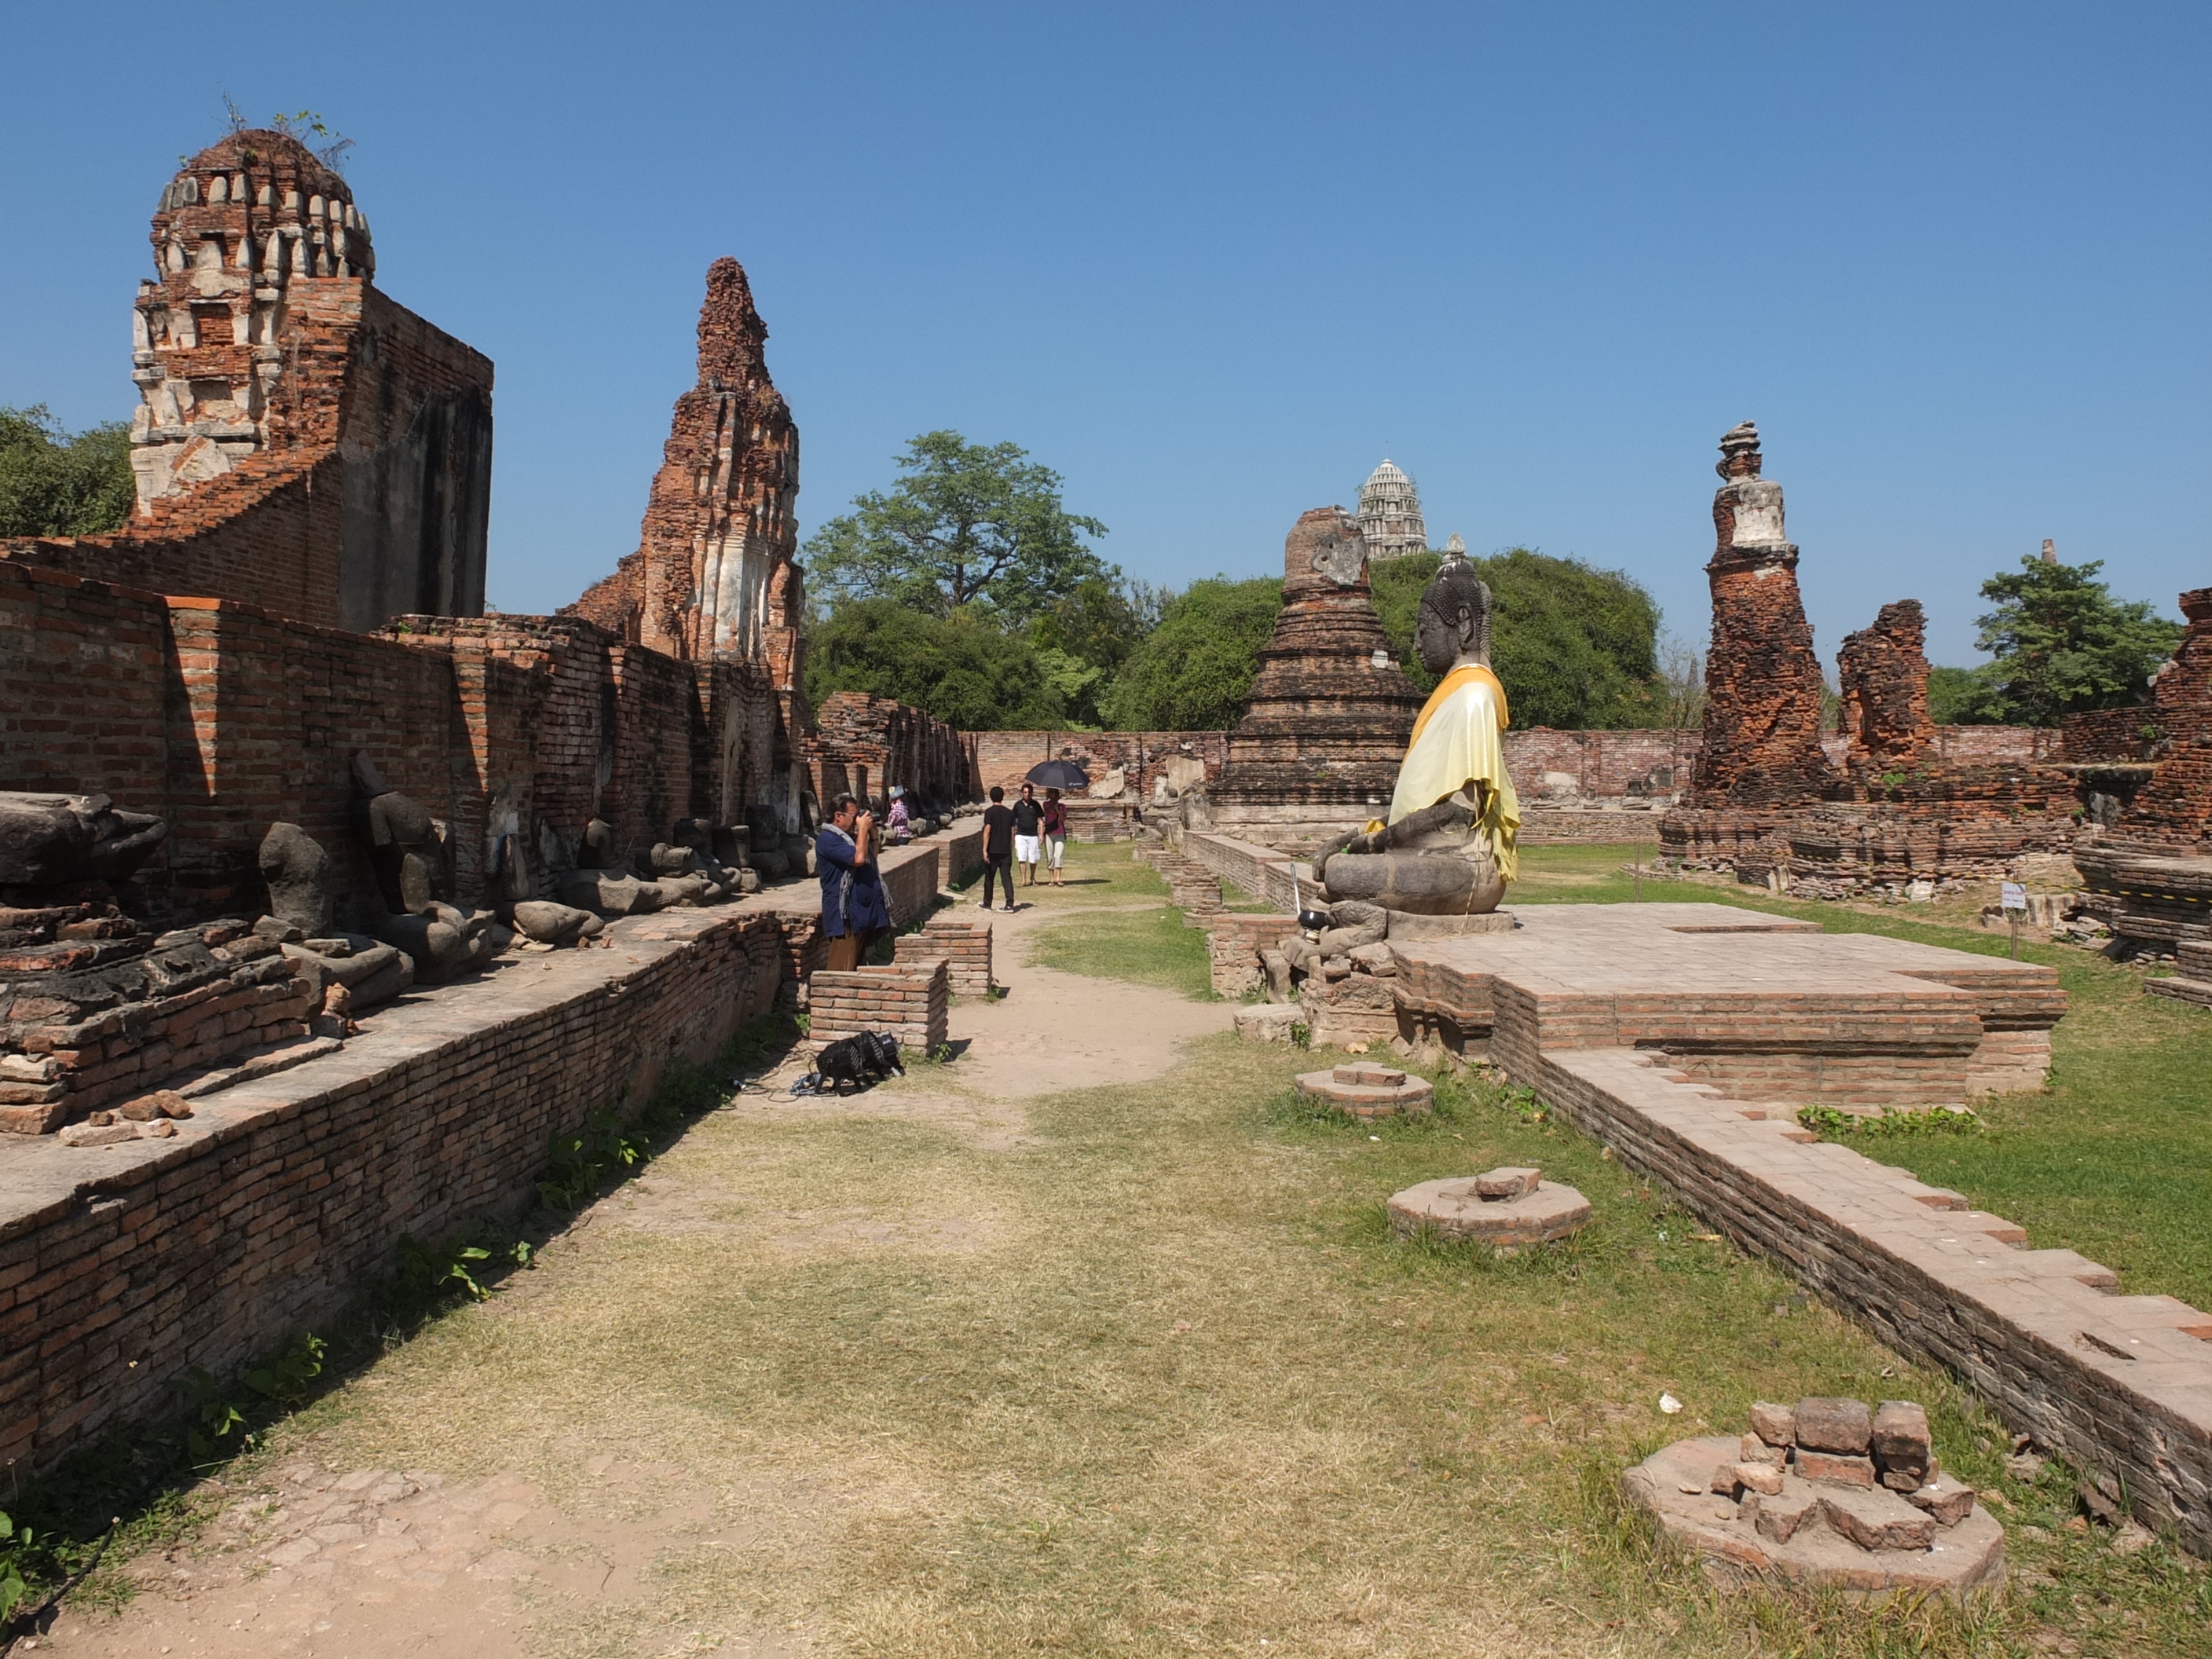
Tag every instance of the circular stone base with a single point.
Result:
(1369, 1091)
(1452, 1209)
(1737, 1553)
(1405, 924)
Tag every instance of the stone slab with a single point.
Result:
(1454, 1208)
(1674, 1485)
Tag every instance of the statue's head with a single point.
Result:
(1454, 623)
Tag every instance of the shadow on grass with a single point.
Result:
(134, 1488)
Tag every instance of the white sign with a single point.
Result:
(2015, 896)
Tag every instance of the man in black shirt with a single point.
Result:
(1029, 832)
(998, 846)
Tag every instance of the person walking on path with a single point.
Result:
(855, 914)
(1028, 833)
(999, 846)
(1056, 836)
(900, 822)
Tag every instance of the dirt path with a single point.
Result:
(568, 1547)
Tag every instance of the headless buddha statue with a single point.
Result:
(1447, 847)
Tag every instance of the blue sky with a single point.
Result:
(1212, 262)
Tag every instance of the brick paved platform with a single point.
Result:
(1684, 1037)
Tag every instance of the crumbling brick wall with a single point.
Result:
(1882, 672)
(2174, 808)
(211, 1250)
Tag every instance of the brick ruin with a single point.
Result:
(1329, 713)
(294, 621)
(2150, 875)
(1882, 677)
(302, 441)
(1763, 682)
(1889, 804)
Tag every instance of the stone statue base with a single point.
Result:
(1405, 926)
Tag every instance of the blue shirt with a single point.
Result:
(852, 894)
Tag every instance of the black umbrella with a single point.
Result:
(1059, 775)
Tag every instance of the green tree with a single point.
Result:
(1193, 672)
(2061, 644)
(959, 668)
(53, 484)
(1965, 696)
(1574, 647)
(1083, 638)
(970, 525)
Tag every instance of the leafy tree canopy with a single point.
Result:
(970, 524)
(54, 484)
(1574, 647)
(960, 668)
(1193, 672)
(1083, 638)
(2061, 644)
(1965, 696)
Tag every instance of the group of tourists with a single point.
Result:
(855, 913)
(1029, 832)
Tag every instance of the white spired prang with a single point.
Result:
(1390, 514)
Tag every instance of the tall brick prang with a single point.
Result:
(1763, 682)
(713, 573)
(1883, 674)
(303, 443)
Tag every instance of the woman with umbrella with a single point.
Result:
(1050, 835)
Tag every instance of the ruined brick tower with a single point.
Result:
(1882, 672)
(1329, 715)
(1762, 736)
(713, 574)
(302, 442)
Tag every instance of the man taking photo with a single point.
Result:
(854, 913)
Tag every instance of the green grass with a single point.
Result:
(1095, 873)
(1146, 947)
(2114, 1159)
(1161, 1382)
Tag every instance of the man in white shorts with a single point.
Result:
(1028, 834)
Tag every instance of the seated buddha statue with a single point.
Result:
(1447, 847)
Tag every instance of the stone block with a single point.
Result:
(1763, 1478)
(1948, 1500)
(1830, 1424)
(1268, 1023)
(1836, 1469)
(1877, 1519)
(1507, 1183)
(1781, 1515)
(1776, 1425)
(1901, 1444)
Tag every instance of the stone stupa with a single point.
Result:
(1330, 711)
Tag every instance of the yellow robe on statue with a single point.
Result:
(1456, 743)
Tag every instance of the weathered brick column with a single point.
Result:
(964, 946)
(907, 1000)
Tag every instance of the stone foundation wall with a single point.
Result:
(1261, 873)
(122, 1265)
